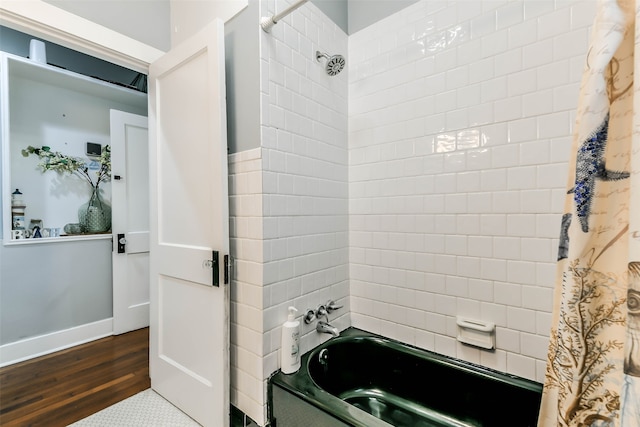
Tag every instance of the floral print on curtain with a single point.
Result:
(593, 367)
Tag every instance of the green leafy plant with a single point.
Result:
(64, 164)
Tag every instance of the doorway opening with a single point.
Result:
(57, 291)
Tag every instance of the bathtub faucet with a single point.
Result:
(325, 328)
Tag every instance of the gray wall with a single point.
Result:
(242, 73)
(146, 21)
(362, 13)
(354, 15)
(48, 287)
(336, 10)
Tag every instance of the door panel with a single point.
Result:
(130, 217)
(188, 263)
(179, 198)
(184, 302)
(138, 173)
(189, 340)
(138, 271)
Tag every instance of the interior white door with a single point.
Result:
(130, 220)
(189, 332)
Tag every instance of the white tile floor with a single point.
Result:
(145, 409)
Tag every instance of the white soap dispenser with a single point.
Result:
(290, 349)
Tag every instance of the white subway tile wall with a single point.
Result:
(305, 172)
(246, 234)
(289, 201)
(460, 120)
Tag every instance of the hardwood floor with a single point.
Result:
(64, 387)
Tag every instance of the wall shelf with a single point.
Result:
(70, 238)
(46, 105)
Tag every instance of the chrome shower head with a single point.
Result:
(335, 63)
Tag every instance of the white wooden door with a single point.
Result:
(130, 220)
(189, 339)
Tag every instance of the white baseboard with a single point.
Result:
(44, 344)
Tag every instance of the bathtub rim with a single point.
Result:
(343, 411)
(316, 396)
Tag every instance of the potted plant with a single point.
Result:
(95, 215)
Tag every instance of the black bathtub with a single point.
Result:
(362, 379)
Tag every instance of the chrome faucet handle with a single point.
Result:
(321, 311)
(333, 306)
(309, 316)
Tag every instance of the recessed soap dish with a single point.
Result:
(477, 333)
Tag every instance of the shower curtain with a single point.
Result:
(593, 367)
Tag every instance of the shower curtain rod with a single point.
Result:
(267, 23)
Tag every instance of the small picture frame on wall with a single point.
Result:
(93, 149)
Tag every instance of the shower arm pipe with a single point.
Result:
(268, 23)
